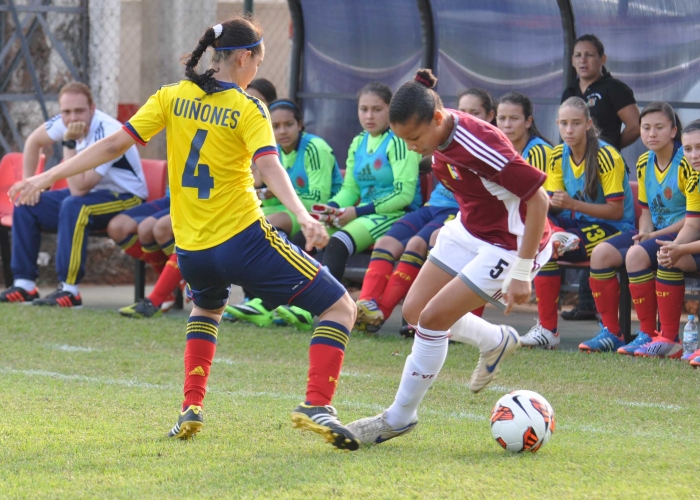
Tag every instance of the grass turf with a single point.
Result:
(88, 397)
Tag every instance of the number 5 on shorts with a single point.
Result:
(498, 269)
(196, 175)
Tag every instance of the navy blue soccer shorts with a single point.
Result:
(263, 262)
(590, 234)
(422, 223)
(156, 208)
(623, 242)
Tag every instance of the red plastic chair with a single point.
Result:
(10, 172)
(156, 173)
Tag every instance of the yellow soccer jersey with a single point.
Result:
(212, 140)
(611, 173)
(692, 194)
(539, 156)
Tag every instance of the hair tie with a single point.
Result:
(218, 29)
(423, 81)
(242, 46)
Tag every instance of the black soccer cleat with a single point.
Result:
(19, 294)
(323, 420)
(60, 298)
(188, 424)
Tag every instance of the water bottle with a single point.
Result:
(690, 335)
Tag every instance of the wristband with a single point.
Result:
(520, 271)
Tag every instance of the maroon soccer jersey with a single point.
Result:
(489, 180)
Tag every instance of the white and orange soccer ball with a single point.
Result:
(522, 421)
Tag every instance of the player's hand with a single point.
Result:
(669, 253)
(561, 199)
(638, 238)
(28, 191)
(314, 232)
(75, 131)
(326, 214)
(348, 215)
(264, 194)
(518, 293)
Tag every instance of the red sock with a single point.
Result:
(479, 312)
(380, 266)
(153, 255)
(400, 282)
(670, 295)
(132, 246)
(168, 281)
(547, 286)
(643, 291)
(325, 361)
(606, 293)
(199, 354)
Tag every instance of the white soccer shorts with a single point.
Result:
(481, 265)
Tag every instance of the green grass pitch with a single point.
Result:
(87, 398)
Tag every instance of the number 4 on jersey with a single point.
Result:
(196, 175)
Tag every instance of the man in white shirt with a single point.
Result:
(89, 203)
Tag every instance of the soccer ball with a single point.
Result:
(522, 421)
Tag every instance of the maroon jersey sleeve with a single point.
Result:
(483, 149)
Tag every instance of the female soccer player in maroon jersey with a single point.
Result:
(487, 254)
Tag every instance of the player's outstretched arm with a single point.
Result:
(275, 177)
(109, 148)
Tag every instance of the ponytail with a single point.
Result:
(238, 33)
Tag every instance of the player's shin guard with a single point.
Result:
(326, 353)
(606, 294)
(199, 354)
(473, 330)
(547, 287)
(400, 282)
(132, 246)
(375, 281)
(670, 294)
(167, 282)
(643, 292)
(420, 371)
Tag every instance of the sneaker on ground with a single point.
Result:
(19, 294)
(188, 424)
(60, 298)
(539, 336)
(368, 312)
(640, 340)
(323, 420)
(603, 342)
(252, 311)
(144, 308)
(490, 361)
(695, 362)
(564, 242)
(579, 314)
(660, 347)
(691, 355)
(375, 430)
(295, 316)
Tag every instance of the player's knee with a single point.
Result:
(145, 230)
(605, 255)
(120, 227)
(417, 245)
(433, 318)
(71, 206)
(410, 309)
(637, 259)
(163, 230)
(343, 311)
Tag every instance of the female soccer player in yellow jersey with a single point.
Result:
(214, 129)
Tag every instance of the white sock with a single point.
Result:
(420, 371)
(476, 331)
(70, 288)
(26, 285)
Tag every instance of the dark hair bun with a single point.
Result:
(425, 77)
